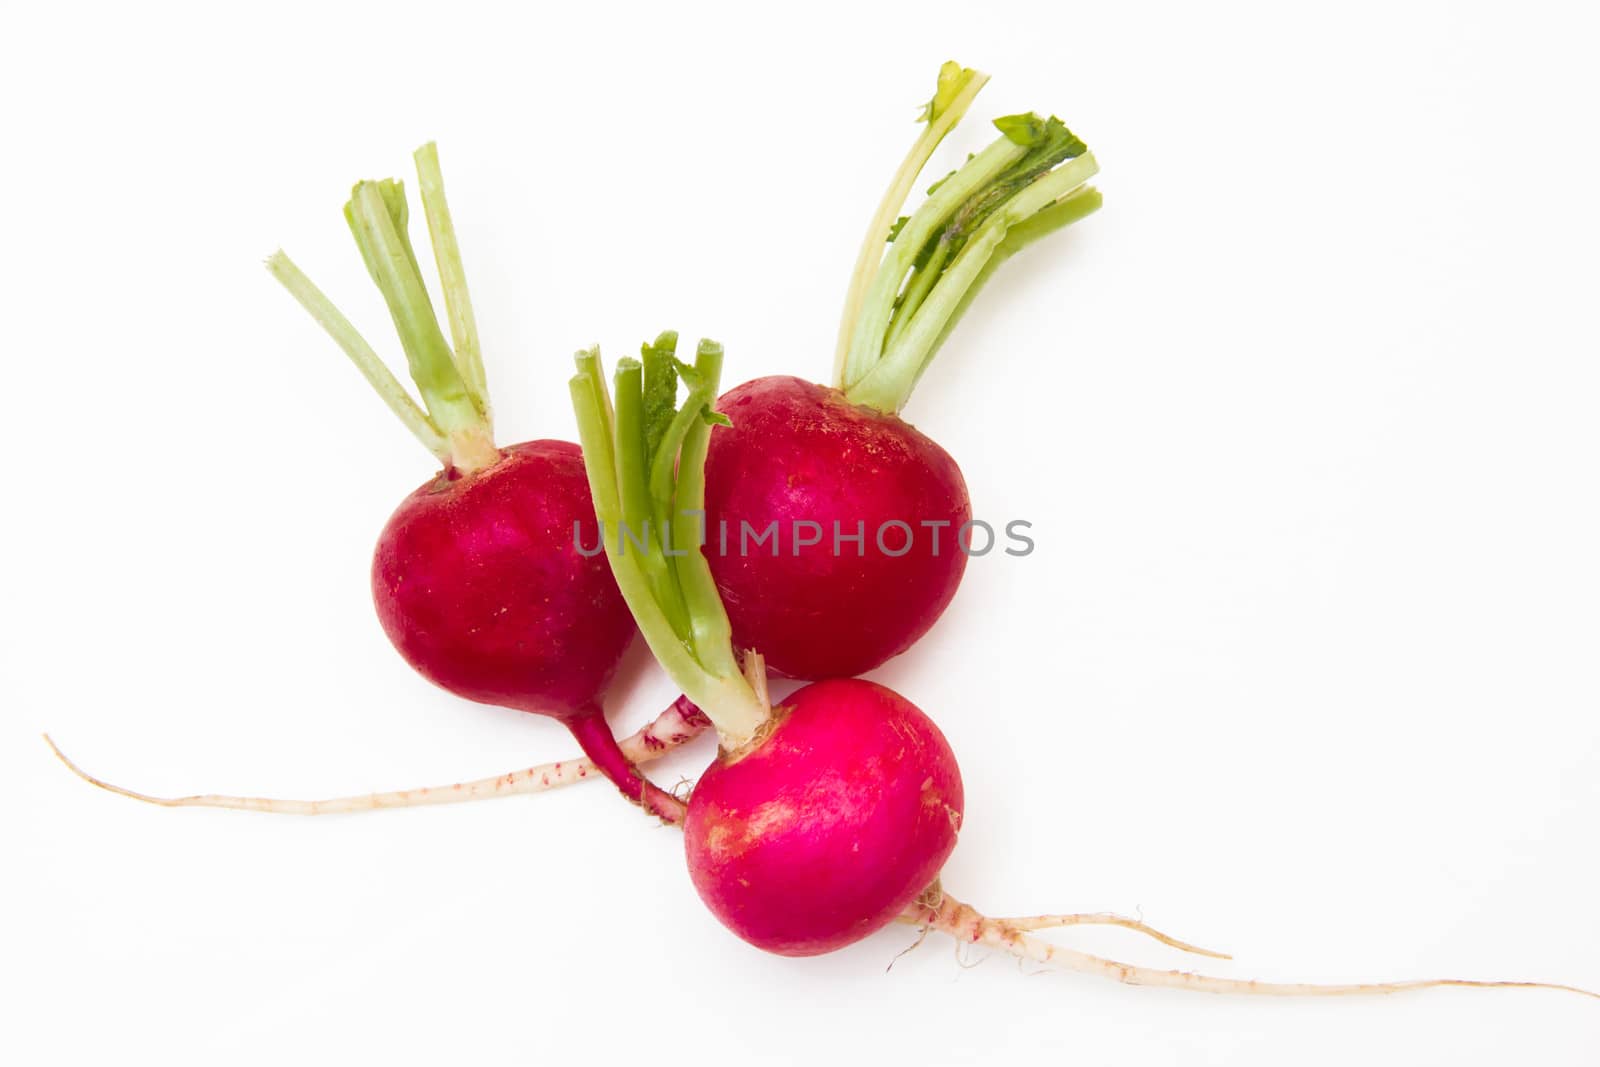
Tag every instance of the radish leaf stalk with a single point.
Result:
(382, 380)
(641, 504)
(468, 355)
(943, 252)
(957, 87)
(456, 426)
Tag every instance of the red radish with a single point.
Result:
(799, 452)
(867, 514)
(477, 577)
(831, 826)
(477, 583)
(822, 819)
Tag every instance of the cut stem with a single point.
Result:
(889, 384)
(452, 278)
(1063, 213)
(355, 346)
(700, 661)
(899, 312)
(456, 426)
(958, 86)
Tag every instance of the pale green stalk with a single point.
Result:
(872, 324)
(708, 675)
(377, 218)
(713, 632)
(1064, 212)
(899, 312)
(452, 277)
(456, 425)
(889, 383)
(640, 532)
(355, 346)
(958, 86)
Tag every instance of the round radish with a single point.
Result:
(836, 528)
(478, 585)
(888, 505)
(829, 827)
(478, 578)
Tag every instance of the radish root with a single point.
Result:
(1106, 918)
(938, 910)
(676, 726)
(934, 910)
(933, 898)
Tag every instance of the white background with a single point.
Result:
(1305, 418)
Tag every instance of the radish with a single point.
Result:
(831, 825)
(820, 820)
(840, 531)
(477, 578)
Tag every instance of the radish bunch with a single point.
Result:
(829, 815)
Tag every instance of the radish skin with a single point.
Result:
(865, 590)
(831, 825)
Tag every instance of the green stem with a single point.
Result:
(452, 277)
(713, 632)
(709, 675)
(641, 528)
(456, 426)
(890, 382)
(872, 326)
(958, 86)
(1063, 213)
(922, 279)
(361, 354)
(900, 312)
(377, 216)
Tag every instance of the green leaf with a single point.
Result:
(953, 78)
(1026, 129)
(935, 186)
(714, 418)
(898, 225)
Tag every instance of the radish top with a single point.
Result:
(456, 426)
(903, 302)
(645, 458)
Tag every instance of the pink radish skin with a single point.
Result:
(801, 452)
(835, 822)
